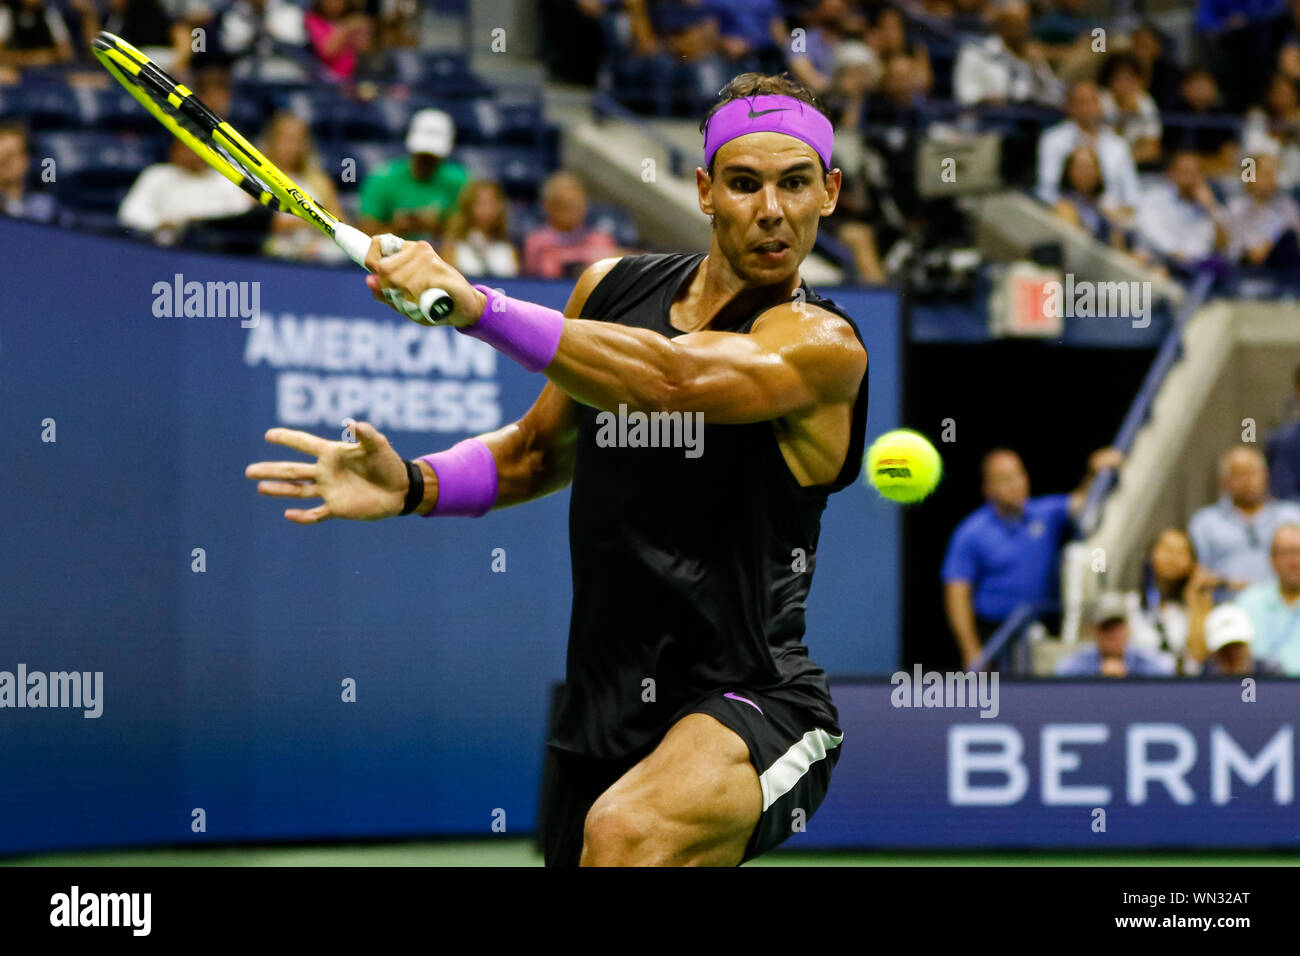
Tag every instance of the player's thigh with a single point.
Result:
(695, 799)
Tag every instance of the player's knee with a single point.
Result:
(616, 834)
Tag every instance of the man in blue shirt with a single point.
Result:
(1005, 553)
(1233, 535)
(1111, 655)
(1274, 605)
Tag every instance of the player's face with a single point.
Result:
(767, 196)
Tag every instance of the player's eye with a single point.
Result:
(796, 182)
(744, 184)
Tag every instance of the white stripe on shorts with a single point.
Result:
(780, 778)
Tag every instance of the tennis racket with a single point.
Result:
(229, 153)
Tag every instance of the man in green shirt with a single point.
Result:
(413, 196)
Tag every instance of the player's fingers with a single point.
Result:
(304, 442)
(310, 516)
(288, 489)
(281, 470)
(369, 437)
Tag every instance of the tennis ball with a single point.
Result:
(903, 466)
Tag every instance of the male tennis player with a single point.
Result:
(694, 729)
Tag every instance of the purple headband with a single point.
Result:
(769, 113)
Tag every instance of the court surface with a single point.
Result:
(520, 852)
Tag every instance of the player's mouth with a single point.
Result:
(774, 250)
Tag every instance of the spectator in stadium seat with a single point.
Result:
(212, 86)
(1212, 140)
(1232, 535)
(1083, 127)
(339, 34)
(1159, 73)
(16, 200)
(413, 196)
(1179, 218)
(573, 41)
(1273, 128)
(857, 72)
(1167, 613)
(1129, 110)
(1274, 604)
(478, 235)
(826, 25)
(32, 34)
(263, 39)
(887, 38)
(168, 196)
(752, 28)
(149, 27)
(1264, 224)
(1080, 197)
(1282, 449)
(1062, 28)
(564, 246)
(1112, 654)
(1229, 641)
(1286, 35)
(1006, 552)
(287, 142)
(1008, 67)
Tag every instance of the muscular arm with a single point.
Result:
(534, 456)
(794, 359)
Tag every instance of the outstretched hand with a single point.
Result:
(364, 481)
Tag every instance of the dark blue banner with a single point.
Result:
(1096, 765)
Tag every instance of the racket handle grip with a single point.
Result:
(434, 303)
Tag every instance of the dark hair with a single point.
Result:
(763, 84)
(1149, 571)
(1065, 185)
(1116, 62)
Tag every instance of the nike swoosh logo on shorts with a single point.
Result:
(744, 700)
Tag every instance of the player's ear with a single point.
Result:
(833, 180)
(704, 183)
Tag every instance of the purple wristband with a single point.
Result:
(467, 479)
(524, 331)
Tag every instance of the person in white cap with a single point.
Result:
(413, 196)
(1230, 640)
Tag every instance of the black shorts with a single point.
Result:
(792, 752)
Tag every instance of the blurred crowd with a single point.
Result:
(1181, 151)
(1147, 156)
(1218, 596)
(344, 46)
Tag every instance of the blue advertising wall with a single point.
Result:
(222, 688)
(1170, 763)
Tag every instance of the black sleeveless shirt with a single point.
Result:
(690, 574)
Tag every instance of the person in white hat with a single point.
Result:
(413, 196)
(1229, 643)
